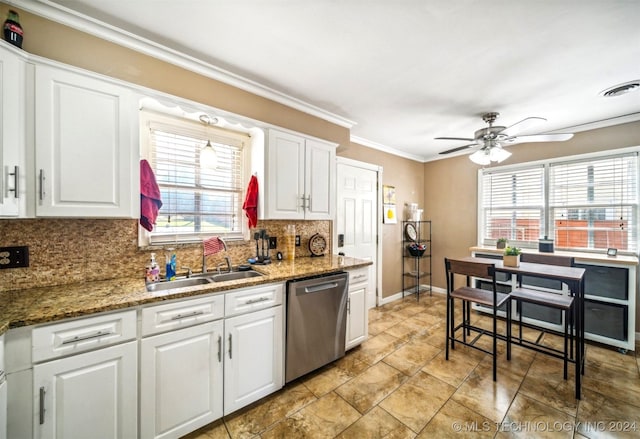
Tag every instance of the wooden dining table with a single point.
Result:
(573, 277)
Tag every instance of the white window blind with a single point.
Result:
(593, 203)
(197, 202)
(512, 205)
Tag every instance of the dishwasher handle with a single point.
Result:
(321, 287)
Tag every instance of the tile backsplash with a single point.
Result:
(63, 251)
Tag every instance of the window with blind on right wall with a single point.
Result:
(585, 203)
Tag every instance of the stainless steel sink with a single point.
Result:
(179, 283)
(235, 275)
(202, 279)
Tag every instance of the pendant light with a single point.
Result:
(208, 156)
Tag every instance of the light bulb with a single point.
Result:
(208, 157)
(498, 154)
(480, 157)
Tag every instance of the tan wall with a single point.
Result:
(451, 189)
(407, 176)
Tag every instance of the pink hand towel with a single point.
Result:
(150, 201)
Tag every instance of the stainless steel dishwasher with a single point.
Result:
(316, 323)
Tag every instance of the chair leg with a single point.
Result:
(509, 330)
(468, 317)
(520, 322)
(464, 321)
(566, 341)
(452, 324)
(446, 342)
(495, 344)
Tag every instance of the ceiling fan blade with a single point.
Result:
(522, 125)
(459, 148)
(455, 138)
(539, 138)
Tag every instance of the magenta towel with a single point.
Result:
(150, 200)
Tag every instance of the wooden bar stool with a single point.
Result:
(469, 294)
(563, 303)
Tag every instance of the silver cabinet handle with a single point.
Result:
(42, 178)
(349, 305)
(78, 338)
(16, 179)
(309, 202)
(360, 276)
(259, 299)
(219, 348)
(191, 314)
(303, 201)
(42, 393)
(230, 346)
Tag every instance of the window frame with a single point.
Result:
(547, 221)
(149, 117)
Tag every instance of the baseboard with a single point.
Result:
(398, 295)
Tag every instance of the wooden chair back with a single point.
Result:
(467, 268)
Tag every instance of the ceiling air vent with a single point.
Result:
(621, 89)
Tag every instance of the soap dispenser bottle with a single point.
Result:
(170, 267)
(153, 270)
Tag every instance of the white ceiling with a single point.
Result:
(407, 71)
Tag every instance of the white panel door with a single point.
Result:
(285, 176)
(12, 134)
(254, 359)
(87, 395)
(181, 384)
(319, 180)
(356, 218)
(85, 154)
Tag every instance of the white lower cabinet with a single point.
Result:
(181, 380)
(253, 365)
(357, 320)
(87, 395)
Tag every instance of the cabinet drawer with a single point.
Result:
(359, 275)
(181, 314)
(81, 335)
(606, 319)
(251, 299)
(611, 282)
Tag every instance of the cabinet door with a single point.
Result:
(181, 383)
(285, 176)
(86, 162)
(357, 315)
(12, 134)
(253, 364)
(319, 180)
(87, 395)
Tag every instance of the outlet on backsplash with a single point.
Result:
(14, 257)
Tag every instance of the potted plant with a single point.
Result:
(501, 243)
(511, 257)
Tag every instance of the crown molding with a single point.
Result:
(384, 148)
(75, 20)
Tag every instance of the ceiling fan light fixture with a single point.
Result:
(480, 157)
(498, 154)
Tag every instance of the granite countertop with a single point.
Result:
(47, 304)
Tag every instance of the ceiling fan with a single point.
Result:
(491, 139)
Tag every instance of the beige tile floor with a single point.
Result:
(398, 385)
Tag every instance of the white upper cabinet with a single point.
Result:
(12, 133)
(300, 177)
(85, 145)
